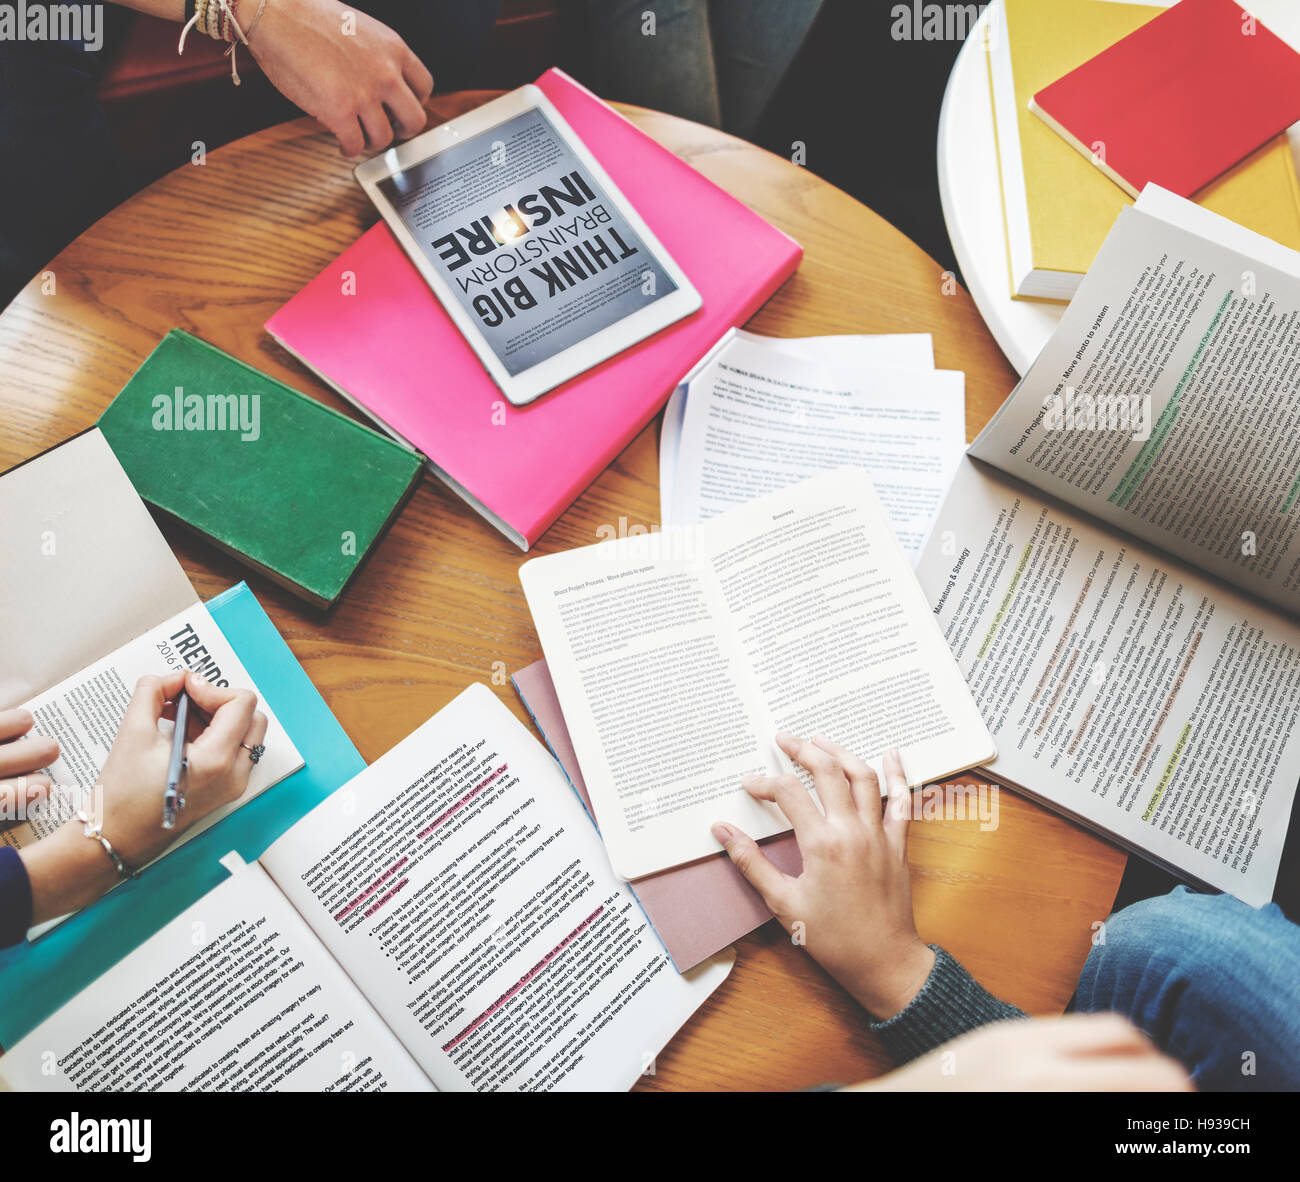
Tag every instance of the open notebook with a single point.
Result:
(93, 601)
(446, 920)
(1117, 569)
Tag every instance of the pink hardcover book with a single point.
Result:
(392, 350)
(697, 909)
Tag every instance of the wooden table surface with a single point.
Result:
(217, 248)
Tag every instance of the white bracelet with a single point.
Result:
(96, 833)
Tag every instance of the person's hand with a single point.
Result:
(22, 756)
(135, 773)
(1077, 1053)
(853, 901)
(353, 74)
(66, 870)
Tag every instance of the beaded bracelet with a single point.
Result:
(95, 831)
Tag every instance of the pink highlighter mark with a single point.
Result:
(372, 888)
(461, 803)
(386, 897)
(528, 976)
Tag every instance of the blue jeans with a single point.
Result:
(717, 62)
(1213, 982)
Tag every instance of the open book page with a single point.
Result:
(462, 886)
(235, 994)
(677, 657)
(849, 351)
(758, 421)
(86, 569)
(85, 711)
(1167, 403)
(1122, 686)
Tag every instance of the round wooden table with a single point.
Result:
(217, 248)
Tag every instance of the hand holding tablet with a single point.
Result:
(527, 243)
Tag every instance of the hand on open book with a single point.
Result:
(67, 870)
(1077, 1053)
(23, 784)
(852, 904)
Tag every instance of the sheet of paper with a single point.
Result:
(86, 569)
(1122, 687)
(677, 657)
(1167, 403)
(235, 994)
(462, 886)
(85, 711)
(847, 351)
(756, 422)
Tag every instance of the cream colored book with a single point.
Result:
(677, 657)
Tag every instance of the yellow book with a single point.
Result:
(1058, 206)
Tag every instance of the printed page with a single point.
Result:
(678, 656)
(756, 422)
(842, 351)
(235, 994)
(1121, 686)
(1167, 403)
(839, 638)
(85, 566)
(461, 884)
(84, 713)
(658, 695)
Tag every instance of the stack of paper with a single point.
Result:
(759, 414)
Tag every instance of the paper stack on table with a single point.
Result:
(759, 414)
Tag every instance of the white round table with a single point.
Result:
(972, 197)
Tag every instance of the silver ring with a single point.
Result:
(254, 753)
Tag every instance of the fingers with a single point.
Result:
(790, 796)
(244, 759)
(346, 128)
(19, 796)
(25, 755)
(14, 724)
(231, 714)
(417, 77)
(1101, 1034)
(898, 810)
(864, 784)
(379, 132)
(147, 703)
(745, 855)
(405, 110)
(828, 776)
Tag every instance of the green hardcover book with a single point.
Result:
(287, 485)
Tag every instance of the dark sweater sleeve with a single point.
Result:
(951, 1003)
(15, 898)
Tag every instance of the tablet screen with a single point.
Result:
(535, 251)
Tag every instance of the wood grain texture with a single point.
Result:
(217, 248)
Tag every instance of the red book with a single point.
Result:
(1180, 100)
(394, 352)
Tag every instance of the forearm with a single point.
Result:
(67, 871)
(949, 1004)
(169, 10)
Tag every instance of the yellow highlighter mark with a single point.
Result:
(1168, 772)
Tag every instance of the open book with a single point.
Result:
(679, 655)
(1117, 571)
(446, 920)
(93, 601)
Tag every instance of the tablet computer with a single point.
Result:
(538, 258)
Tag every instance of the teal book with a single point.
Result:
(287, 485)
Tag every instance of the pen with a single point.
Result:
(173, 797)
